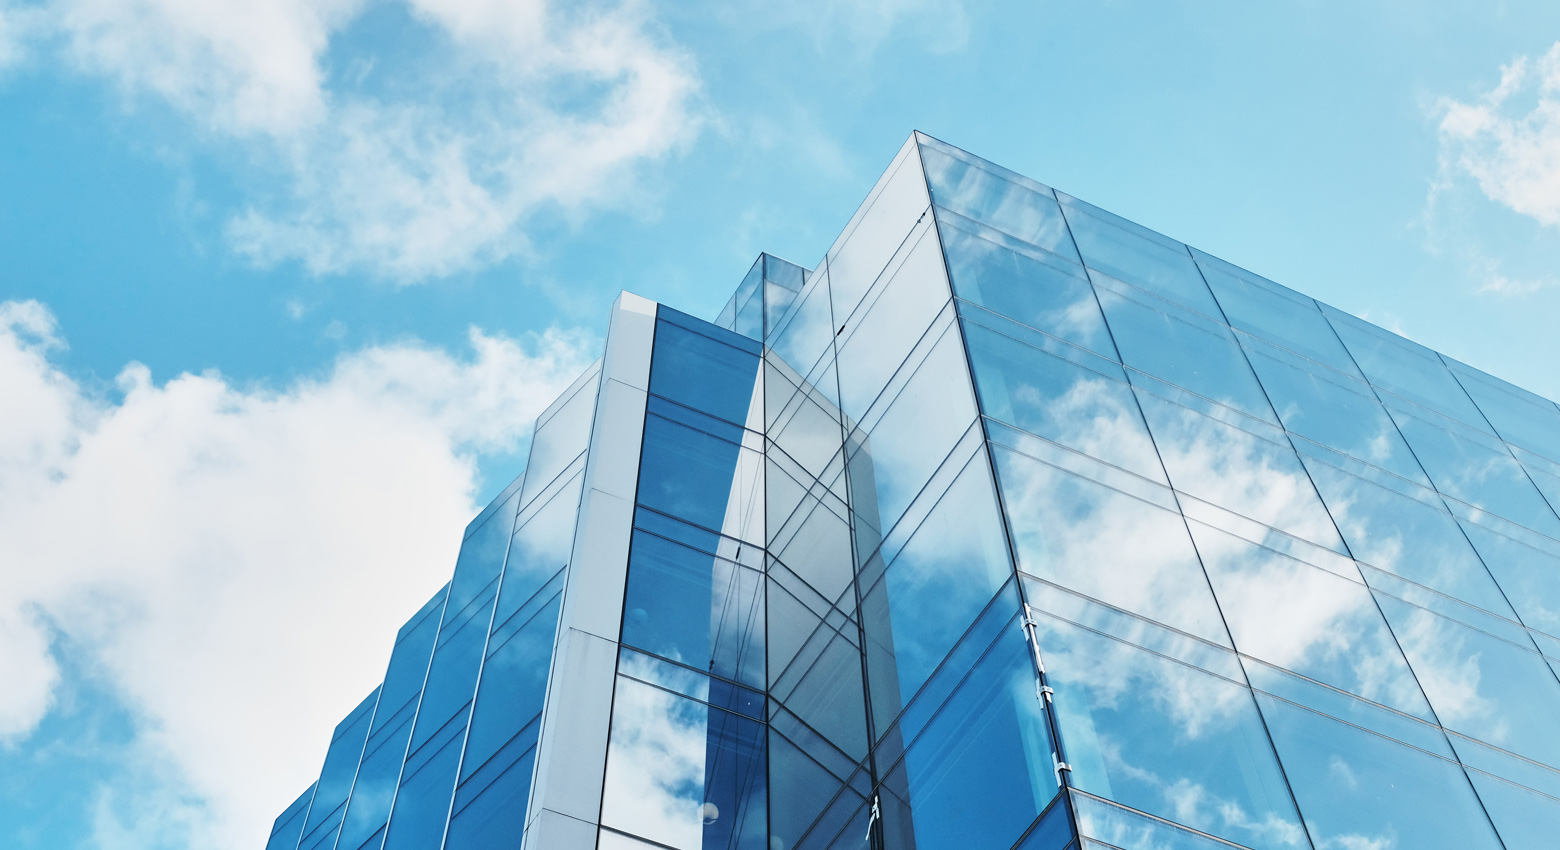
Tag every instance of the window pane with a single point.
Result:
(559, 440)
(876, 233)
(1525, 820)
(874, 346)
(1480, 685)
(1105, 544)
(981, 771)
(1521, 417)
(1061, 401)
(695, 609)
(539, 549)
(1402, 367)
(1356, 789)
(1185, 350)
(934, 589)
(1274, 313)
(1166, 738)
(703, 373)
(514, 681)
(1406, 537)
(1011, 204)
(1237, 470)
(690, 474)
(682, 773)
(1307, 620)
(1529, 577)
(1139, 256)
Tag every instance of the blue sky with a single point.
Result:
(283, 283)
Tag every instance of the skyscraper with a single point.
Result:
(1011, 524)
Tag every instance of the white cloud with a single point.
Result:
(410, 158)
(1513, 154)
(236, 560)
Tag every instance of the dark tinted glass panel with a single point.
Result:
(495, 820)
(422, 807)
(341, 761)
(514, 681)
(702, 373)
(695, 609)
(686, 473)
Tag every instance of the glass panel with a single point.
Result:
(1358, 790)
(1126, 828)
(1307, 620)
(1476, 472)
(1334, 411)
(782, 282)
(495, 820)
(1232, 468)
(702, 372)
(981, 771)
(1525, 819)
(682, 773)
(1060, 401)
(1011, 204)
(514, 682)
(876, 233)
(689, 474)
(695, 609)
(1405, 368)
(1027, 286)
(822, 686)
(1480, 685)
(1196, 356)
(1352, 710)
(1166, 738)
(916, 431)
(1406, 537)
(934, 589)
(1137, 255)
(559, 440)
(374, 790)
(289, 824)
(482, 556)
(808, 331)
(452, 675)
(874, 345)
(341, 763)
(1106, 545)
(422, 808)
(1529, 578)
(539, 549)
(1521, 418)
(1275, 313)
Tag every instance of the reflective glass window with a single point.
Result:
(1410, 370)
(702, 372)
(821, 684)
(981, 771)
(808, 330)
(495, 819)
(1185, 350)
(1166, 738)
(935, 588)
(1278, 315)
(1520, 417)
(1331, 410)
(1525, 819)
(1061, 401)
(687, 473)
(1356, 789)
(514, 682)
(374, 789)
(422, 806)
(1480, 685)
(1018, 207)
(452, 675)
(341, 763)
(1480, 472)
(1307, 620)
(695, 609)
(1123, 827)
(539, 549)
(915, 432)
(1405, 536)
(874, 345)
(1235, 469)
(560, 438)
(1027, 286)
(285, 832)
(1137, 255)
(683, 773)
(482, 556)
(1106, 545)
(1529, 577)
(876, 232)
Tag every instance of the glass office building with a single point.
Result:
(1011, 524)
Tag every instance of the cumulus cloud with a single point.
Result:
(236, 560)
(1514, 155)
(413, 157)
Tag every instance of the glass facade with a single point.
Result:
(1011, 525)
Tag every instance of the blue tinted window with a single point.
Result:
(1137, 255)
(686, 473)
(702, 373)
